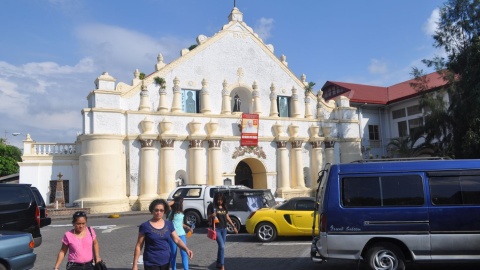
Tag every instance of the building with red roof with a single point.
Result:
(385, 113)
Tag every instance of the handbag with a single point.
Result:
(98, 265)
(211, 233)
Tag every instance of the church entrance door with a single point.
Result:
(252, 173)
(243, 175)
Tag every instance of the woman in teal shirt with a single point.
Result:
(176, 216)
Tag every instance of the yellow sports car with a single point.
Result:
(292, 218)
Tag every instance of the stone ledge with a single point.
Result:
(66, 211)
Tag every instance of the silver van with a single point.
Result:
(388, 214)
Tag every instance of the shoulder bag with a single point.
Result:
(211, 233)
(101, 264)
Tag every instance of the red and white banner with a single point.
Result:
(250, 124)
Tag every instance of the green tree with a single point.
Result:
(458, 34)
(9, 156)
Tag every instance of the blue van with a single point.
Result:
(386, 214)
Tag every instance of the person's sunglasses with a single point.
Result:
(79, 214)
(159, 210)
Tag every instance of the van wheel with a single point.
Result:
(237, 224)
(2, 267)
(385, 256)
(266, 232)
(192, 217)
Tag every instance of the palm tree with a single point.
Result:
(309, 88)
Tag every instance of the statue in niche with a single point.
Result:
(190, 103)
(283, 107)
(236, 103)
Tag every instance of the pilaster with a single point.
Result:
(294, 104)
(256, 99)
(177, 96)
(144, 98)
(226, 99)
(205, 98)
(273, 102)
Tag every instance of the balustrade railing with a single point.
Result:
(54, 149)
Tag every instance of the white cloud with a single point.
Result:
(120, 51)
(263, 28)
(377, 67)
(431, 24)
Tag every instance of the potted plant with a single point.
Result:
(159, 81)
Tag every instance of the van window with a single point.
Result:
(375, 191)
(455, 190)
(14, 198)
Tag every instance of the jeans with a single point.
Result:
(221, 239)
(173, 254)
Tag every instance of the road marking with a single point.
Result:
(286, 244)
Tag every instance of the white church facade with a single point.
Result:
(182, 124)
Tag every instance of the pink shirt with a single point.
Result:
(79, 249)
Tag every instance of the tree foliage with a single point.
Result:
(9, 156)
(454, 130)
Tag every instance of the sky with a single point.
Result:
(51, 51)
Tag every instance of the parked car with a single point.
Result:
(242, 202)
(294, 217)
(196, 199)
(387, 214)
(16, 250)
(20, 210)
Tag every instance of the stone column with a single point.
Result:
(148, 188)
(177, 96)
(144, 98)
(316, 155)
(294, 104)
(329, 145)
(226, 100)
(214, 162)
(256, 99)
(102, 174)
(283, 166)
(205, 98)
(214, 155)
(166, 165)
(197, 166)
(273, 102)
(296, 160)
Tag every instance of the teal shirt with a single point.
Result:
(178, 223)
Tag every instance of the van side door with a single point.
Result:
(455, 214)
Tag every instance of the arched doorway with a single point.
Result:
(252, 173)
(243, 175)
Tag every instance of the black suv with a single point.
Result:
(22, 208)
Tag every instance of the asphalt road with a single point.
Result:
(117, 238)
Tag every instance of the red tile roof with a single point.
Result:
(360, 93)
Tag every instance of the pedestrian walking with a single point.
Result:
(176, 216)
(218, 212)
(153, 236)
(78, 242)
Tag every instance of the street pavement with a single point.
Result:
(117, 238)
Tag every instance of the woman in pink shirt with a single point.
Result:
(79, 243)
